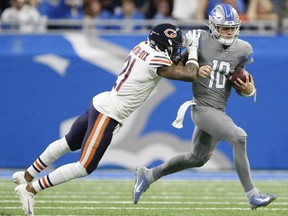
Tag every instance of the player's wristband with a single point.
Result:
(193, 53)
(248, 95)
(192, 60)
(253, 93)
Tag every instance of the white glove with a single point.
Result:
(191, 44)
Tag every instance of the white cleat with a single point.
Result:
(26, 198)
(18, 178)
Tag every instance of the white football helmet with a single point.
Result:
(224, 15)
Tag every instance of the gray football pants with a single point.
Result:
(211, 126)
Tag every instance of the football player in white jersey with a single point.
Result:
(220, 52)
(92, 132)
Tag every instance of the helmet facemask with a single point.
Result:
(175, 52)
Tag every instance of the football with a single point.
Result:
(238, 73)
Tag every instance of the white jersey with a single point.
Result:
(134, 84)
(27, 17)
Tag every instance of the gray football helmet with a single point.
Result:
(224, 15)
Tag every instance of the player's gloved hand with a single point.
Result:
(191, 45)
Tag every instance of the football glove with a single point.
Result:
(191, 45)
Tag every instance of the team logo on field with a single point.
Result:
(170, 33)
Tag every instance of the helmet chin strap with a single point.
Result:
(217, 36)
(156, 48)
(227, 41)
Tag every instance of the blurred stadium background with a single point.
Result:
(49, 78)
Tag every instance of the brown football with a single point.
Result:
(238, 73)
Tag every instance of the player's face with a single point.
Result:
(227, 32)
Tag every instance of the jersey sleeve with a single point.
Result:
(249, 54)
(160, 59)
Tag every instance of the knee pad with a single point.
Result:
(239, 136)
(241, 133)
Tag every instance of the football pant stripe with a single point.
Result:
(90, 137)
(94, 139)
(98, 136)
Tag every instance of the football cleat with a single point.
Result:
(141, 184)
(18, 178)
(26, 198)
(261, 200)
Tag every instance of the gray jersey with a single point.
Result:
(213, 125)
(215, 90)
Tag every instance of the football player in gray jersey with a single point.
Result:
(220, 52)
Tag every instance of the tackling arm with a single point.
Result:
(189, 71)
(186, 73)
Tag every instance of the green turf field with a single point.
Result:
(163, 198)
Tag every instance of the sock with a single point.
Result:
(242, 165)
(60, 175)
(149, 175)
(53, 152)
(252, 192)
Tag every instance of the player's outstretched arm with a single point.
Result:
(186, 73)
(189, 71)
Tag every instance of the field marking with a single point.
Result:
(150, 208)
(115, 197)
(145, 202)
(130, 202)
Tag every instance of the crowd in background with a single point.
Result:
(26, 13)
